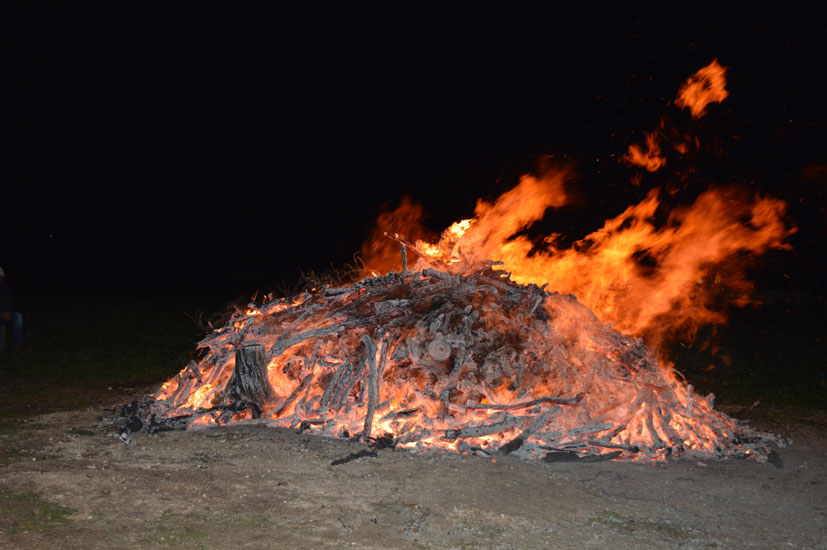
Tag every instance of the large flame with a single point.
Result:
(649, 279)
(646, 279)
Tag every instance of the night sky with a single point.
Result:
(188, 155)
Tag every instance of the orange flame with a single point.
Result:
(646, 279)
(649, 158)
(702, 88)
(642, 278)
(381, 254)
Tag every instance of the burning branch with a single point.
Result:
(371, 350)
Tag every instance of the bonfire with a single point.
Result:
(492, 345)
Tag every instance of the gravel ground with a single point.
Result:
(67, 481)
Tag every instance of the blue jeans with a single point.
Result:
(16, 323)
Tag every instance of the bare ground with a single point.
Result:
(67, 481)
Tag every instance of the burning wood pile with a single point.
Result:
(458, 354)
(466, 361)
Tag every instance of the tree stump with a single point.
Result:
(249, 381)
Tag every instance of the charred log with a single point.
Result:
(571, 456)
(535, 426)
(353, 456)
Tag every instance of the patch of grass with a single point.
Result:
(10, 456)
(254, 522)
(17, 424)
(82, 355)
(775, 354)
(78, 431)
(779, 419)
(182, 530)
(29, 512)
(630, 525)
(798, 417)
(198, 531)
(607, 517)
(103, 342)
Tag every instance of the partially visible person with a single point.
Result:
(7, 314)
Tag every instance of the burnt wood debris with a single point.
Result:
(452, 358)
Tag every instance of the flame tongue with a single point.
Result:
(471, 362)
(644, 279)
(702, 88)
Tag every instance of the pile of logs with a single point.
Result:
(469, 362)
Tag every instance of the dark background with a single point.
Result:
(200, 157)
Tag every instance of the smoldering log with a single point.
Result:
(371, 352)
(192, 377)
(591, 429)
(487, 429)
(526, 404)
(610, 445)
(352, 376)
(295, 393)
(331, 386)
(535, 426)
(353, 456)
(400, 413)
(571, 456)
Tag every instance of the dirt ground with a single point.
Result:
(67, 481)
